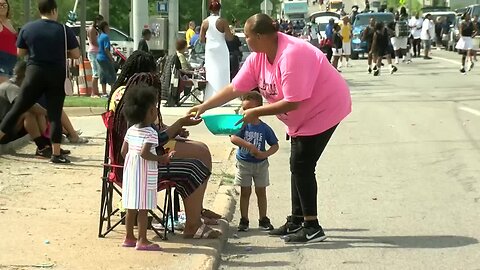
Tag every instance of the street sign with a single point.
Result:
(162, 7)
(266, 6)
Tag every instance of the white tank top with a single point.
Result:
(213, 35)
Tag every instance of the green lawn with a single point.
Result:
(76, 101)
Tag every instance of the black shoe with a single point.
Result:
(369, 70)
(264, 224)
(288, 228)
(471, 66)
(65, 152)
(306, 235)
(375, 67)
(393, 70)
(462, 70)
(376, 72)
(59, 159)
(45, 152)
(243, 226)
(427, 58)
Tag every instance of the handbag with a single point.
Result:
(68, 86)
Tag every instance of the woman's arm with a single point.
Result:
(124, 149)
(92, 36)
(73, 54)
(22, 52)
(203, 31)
(223, 96)
(278, 107)
(146, 154)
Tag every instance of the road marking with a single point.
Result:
(447, 60)
(470, 110)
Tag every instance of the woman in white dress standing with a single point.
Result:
(214, 31)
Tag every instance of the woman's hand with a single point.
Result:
(196, 111)
(165, 159)
(249, 116)
(190, 120)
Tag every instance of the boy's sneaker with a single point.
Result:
(264, 224)
(288, 228)
(369, 70)
(462, 70)
(59, 159)
(376, 72)
(243, 225)
(306, 235)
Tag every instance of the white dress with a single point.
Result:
(217, 59)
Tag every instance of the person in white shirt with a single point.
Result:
(427, 35)
(415, 25)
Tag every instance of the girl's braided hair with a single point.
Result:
(138, 62)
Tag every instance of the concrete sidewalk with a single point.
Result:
(49, 214)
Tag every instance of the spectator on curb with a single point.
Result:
(44, 43)
(92, 34)
(190, 31)
(146, 36)
(8, 36)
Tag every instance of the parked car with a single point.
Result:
(120, 40)
(473, 10)
(361, 22)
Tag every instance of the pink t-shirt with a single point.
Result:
(300, 73)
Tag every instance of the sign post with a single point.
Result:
(266, 7)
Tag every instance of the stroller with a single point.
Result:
(117, 126)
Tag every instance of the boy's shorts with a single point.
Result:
(248, 171)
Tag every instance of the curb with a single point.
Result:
(83, 111)
(224, 204)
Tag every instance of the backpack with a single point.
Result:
(401, 29)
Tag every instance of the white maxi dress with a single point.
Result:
(217, 59)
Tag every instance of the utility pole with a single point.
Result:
(173, 18)
(26, 9)
(140, 19)
(204, 9)
(104, 9)
(83, 31)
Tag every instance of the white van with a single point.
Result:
(118, 39)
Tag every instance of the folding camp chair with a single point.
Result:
(112, 180)
(180, 85)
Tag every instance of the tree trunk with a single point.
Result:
(104, 9)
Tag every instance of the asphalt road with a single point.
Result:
(398, 185)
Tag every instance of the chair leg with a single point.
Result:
(109, 204)
(176, 205)
(103, 203)
(165, 213)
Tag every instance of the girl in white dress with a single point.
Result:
(140, 172)
(214, 31)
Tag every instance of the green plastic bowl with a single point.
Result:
(223, 124)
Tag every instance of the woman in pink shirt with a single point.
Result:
(8, 47)
(307, 94)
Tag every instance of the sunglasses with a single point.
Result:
(3, 5)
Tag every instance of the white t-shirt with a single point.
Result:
(427, 26)
(415, 27)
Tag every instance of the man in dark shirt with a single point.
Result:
(146, 36)
(47, 44)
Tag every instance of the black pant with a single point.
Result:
(416, 46)
(39, 81)
(304, 155)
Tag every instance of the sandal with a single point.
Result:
(210, 214)
(205, 232)
(129, 243)
(209, 221)
(149, 247)
(81, 140)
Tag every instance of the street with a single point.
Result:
(398, 185)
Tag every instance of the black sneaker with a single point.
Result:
(393, 70)
(427, 58)
(45, 152)
(59, 159)
(288, 228)
(376, 72)
(243, 225)
(65, 152)
(306, 235)
(471, 66)
(264, 224)
(375, 67)
(462, 70)
(369, 70)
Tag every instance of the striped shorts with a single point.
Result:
(188, 174)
